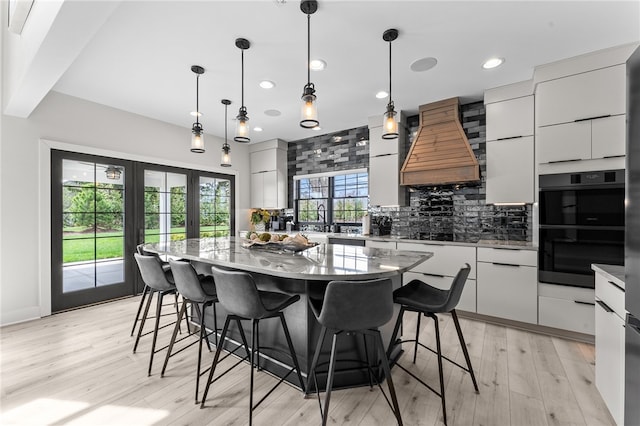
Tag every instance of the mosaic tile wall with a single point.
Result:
(447, 213)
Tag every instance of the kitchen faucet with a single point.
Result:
(324, 216)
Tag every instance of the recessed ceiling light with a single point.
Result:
(492, 63)
(196, 113)
(272, 112)
(381, 94)
(317, 128)
(317, 64)
(267, 84)
(257, 129)
(423, 64)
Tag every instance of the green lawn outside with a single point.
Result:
(79, 247)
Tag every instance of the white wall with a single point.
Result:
(64, 122)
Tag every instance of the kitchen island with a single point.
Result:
(307, 274)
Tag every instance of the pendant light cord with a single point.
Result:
(242, 61)
(390, 101)
(197, 98)
(225, 124)
(308, 49)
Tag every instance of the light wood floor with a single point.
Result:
(77, 368)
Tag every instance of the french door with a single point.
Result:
(103, 207)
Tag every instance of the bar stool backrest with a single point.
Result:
(152, 273)
(455, 291)
(187, 281)
(238, 293)
(357, 305)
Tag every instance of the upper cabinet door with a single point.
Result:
(608, 137)
(265, 160)
(379, 146)
(564, 142)
(581, 96)
(510, 171)
(511, 118)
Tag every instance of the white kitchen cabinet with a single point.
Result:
(512, 118)
(582, 140)
(610, 344)
(510, 171)
(384, 166)
(440, 270)
(269, 174)
(581, 96)
(510, 144)
(507, 284)
(566, 308)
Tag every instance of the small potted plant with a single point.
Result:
(259, 219)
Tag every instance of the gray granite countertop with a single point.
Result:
(613, 273)
(323, 262)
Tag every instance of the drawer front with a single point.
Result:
(381, 244)
(566, 314)
(611, 294)
(508, 292)
(467, 299)
(262, 161)
(446, 260)
(564, 142)
(508, 256)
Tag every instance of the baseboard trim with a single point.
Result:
(20, 315)
(534, 328)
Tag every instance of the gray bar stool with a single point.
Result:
(424, 299)
(145, 290)
(242, 300)
(354, 307)
(156, 279)
(200, 292)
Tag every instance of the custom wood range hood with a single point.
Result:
(440, 153)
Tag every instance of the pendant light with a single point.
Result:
(225, 159)
(242, 125)
(197, 133)
(309, 111)
(389, 124)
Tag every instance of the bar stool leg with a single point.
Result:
(175, 295)
(394, 335)
(254, 339)
(387, 373)
(366, 357)
(155, 330)
(203, 335)
(143, 320)
(145, 290)
(173, 337)
(292, 350)
(311, 378)
(225, 328)
(215, 326)
(454, 315)
(439, 350)
(415, 347)
(258, 346)
(332, 367)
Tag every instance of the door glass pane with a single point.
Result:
(93, 224)
(215, 204)
(165, 206)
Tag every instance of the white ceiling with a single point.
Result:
(140, 60)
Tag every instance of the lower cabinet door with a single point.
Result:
(467, 300)
(610, 355)
(566, 314)
(508, 291)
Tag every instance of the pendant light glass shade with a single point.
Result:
(389, 122)
(197, 132)
(225, 158)
(309, 110)
(242, 120)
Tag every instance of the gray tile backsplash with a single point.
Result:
(448, 213)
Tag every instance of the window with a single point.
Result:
(340, 199)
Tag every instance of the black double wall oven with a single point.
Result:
(581, 222)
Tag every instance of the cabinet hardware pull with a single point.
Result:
(383, 155)
(617, 286)
(433, 275)
(604, 306)
(580, 302)
(614, 156)
(509, 137)
(591, 118)
(505, 264)
(564, 161)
